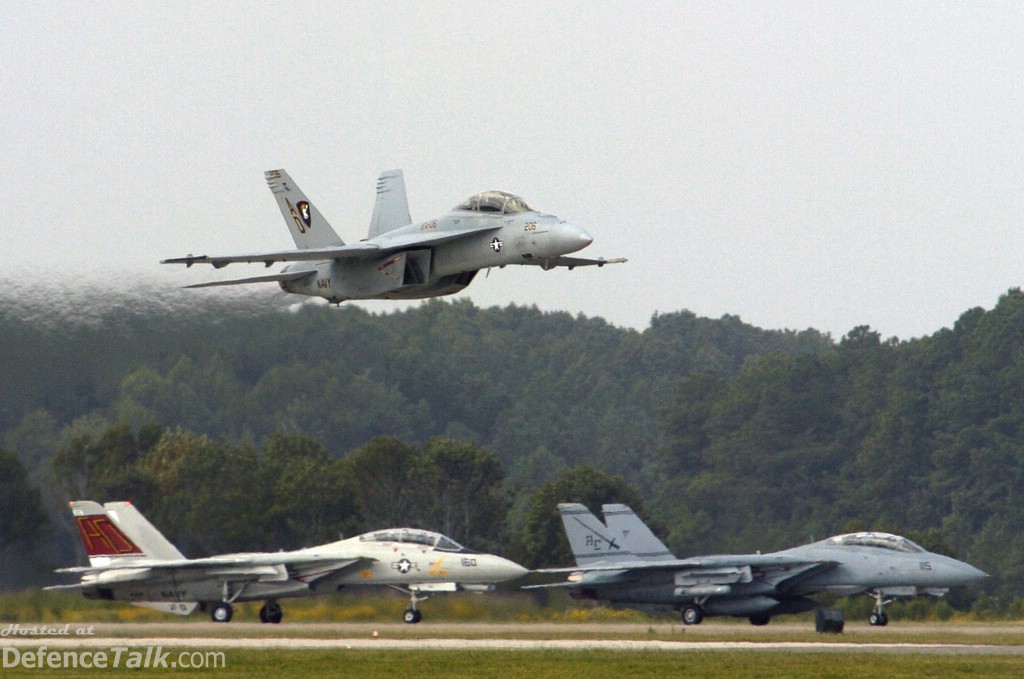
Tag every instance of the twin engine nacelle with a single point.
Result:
(365, 278)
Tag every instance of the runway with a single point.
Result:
(951, 638)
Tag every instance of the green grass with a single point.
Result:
(550, 664)
(361, 606)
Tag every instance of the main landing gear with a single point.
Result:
(221, 612)
(271, 612)
(692, 614)
(224, 611)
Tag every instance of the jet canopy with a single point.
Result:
(882, 540)
(495, 202)
(416, 537)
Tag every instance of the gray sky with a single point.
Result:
(798, 164)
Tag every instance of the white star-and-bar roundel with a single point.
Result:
(404, 566)
(497, 244)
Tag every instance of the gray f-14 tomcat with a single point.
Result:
(624, 563)
(400, 259)
(130, 560)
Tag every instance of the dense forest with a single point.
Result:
(240, 425)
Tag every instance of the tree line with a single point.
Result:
(297, 426)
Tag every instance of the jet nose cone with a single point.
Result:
(960, 573)
(970, 573)
(570, 238)
(509, 570)
(582, 237)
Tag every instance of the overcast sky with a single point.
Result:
(798, 164)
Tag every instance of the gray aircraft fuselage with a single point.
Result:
(400, 259)
(769, 586)
(444, 268)
(621, 561)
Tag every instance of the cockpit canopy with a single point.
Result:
(416, 537)
(882, 540)
(495, 202)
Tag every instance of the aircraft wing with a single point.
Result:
(268, 258)
(716, 572)
(695, 562)
(703, 564)
(548, 263)
(368, 248)
(267, 566)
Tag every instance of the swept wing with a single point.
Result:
(708, 571)
(697, 562)
(368, 248)
(268, 566)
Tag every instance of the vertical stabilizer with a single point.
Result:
(102, 538)
(308, 227)
(391, 209)
(634, 534)
(591, 541)
(118, 531)
(142, 532)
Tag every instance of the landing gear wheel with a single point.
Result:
(271, 612)
(760, 620)
(221, 612)
(412, 617)
(692, 614)
(878, 619)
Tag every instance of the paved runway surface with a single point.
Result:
(441, 636)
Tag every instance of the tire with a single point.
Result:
(271, 613)
(760, 620)
(692, 614)
(221, 612)
(878, 619)
(411, 617)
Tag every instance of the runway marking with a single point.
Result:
(515, 644)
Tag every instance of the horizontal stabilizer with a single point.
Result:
(269, 278)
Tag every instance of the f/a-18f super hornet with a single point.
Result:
(403, 260)
(130, 560)
(622, 562)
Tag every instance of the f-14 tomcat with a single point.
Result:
(402, 260)
(624, 563)
(130, 560)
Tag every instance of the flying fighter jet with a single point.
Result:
(624, 563)
(402, 260)
(130, 560)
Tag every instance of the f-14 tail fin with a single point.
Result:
(308, 227)
(118, 530)
(591, 541)
(634, 533)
